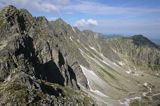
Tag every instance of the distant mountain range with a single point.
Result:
(47, 63)
(157, 41)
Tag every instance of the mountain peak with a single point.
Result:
(60, 21)
(139, 36)
(10, 7)
(142, 40)
(42, 18)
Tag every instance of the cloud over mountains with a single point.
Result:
(86, 22)
(105, 17)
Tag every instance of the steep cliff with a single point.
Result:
(34, 67)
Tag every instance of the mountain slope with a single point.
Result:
(121, 75)
(33, 69)
(52, 63)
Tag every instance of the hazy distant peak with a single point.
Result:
(142, 40)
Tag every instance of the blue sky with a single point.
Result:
(127, 17)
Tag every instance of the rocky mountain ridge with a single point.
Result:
(52, 63)
(27, 57)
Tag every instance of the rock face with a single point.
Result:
(32, 63)
(52, 63)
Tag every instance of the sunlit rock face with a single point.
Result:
(52, 63)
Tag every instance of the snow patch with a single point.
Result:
(132, 72)
(148, 86)
(129, 72)
(73, 30)
(145, 84)
(93, 48)
(121, 63)
(144, 93)
(135, 68)
(105, 63)
(128, 100)
(114, 50)
(81, 51)
(91, 76)
(70, 38)
(86, 48)
(8, 78)
(98, 93)
(115, 64)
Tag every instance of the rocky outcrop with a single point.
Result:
(33, 64)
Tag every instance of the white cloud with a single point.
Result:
(96, 8)
(36, 5)
(92, 22)
(63, 2)
(47, 7)
(39, 5)
(82, 6)
(86, 22)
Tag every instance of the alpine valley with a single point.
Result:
(50, 63)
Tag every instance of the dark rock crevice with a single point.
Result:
(61, 59)
(50, 72)
(72, 76)
(52, 91)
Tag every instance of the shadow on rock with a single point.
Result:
(50, 72)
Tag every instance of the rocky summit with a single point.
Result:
(47, 63)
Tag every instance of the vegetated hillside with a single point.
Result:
(52, 63)
(139, 50)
